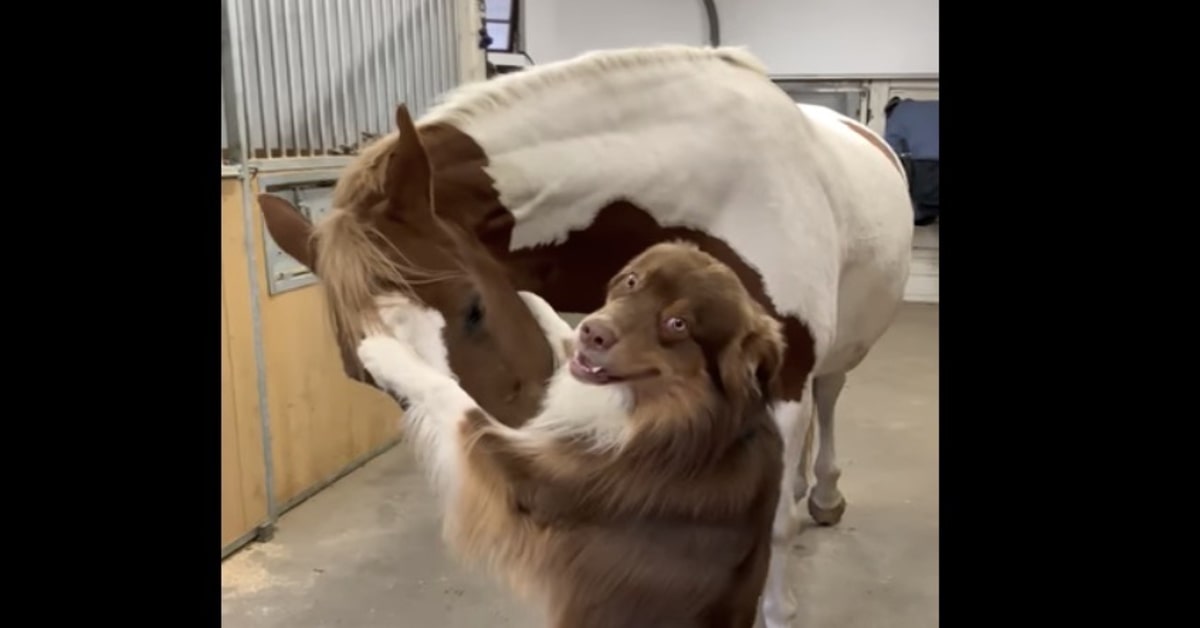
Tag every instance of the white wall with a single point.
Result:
(560, 29)
(821, 37)
(836, 37)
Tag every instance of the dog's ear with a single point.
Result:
(750, 365)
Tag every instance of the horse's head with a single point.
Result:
(384, 237)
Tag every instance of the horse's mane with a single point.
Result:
(365, 177)
(481, 98)
(351, 261)
(354, 266)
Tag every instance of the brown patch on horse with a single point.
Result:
(571, 276)
(674, 527)
(877, 142)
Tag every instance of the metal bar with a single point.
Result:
(855, 77)
(270, 182)
(455, 51)
(345, 63)
(439, 49)
(435, 37)
(427, 57)
(331, 50)
(448, 12)
(233, 102)
(364, 48)
(379, 83)
(304, 42)
(318, 52)
(260, 61)
(342, 84)
(300, 163)
(406, 39)
(350, 86)
(448, 48)
(432, 45)
(291, 76)
(248, 242)
(264, 408)
(418, 55)
(391, 35)
(279, 78)
(452, 49)
(309, 71)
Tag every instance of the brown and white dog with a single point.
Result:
(643, 494)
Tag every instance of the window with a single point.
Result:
(499, 18)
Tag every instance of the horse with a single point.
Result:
(543, 183)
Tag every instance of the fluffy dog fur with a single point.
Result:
(643, 494)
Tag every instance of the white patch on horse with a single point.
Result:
(792, 189)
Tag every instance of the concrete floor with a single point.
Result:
(366, 552)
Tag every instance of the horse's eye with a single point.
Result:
(474, 315)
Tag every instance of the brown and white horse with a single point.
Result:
(549, 180)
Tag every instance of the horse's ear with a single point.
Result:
(290, 229)
(409, 177)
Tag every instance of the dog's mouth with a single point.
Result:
(587, 371)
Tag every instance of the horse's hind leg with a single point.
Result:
(826, 504)
(800, 490)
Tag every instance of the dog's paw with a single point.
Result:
(377, 351)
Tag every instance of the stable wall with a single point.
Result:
(243, 473)
(320, 420)
(291, 421)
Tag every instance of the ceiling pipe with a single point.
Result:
(714, 23)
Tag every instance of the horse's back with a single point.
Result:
(869, 200)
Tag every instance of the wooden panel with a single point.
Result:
(233, 512)
(243, 473)
(321, 421)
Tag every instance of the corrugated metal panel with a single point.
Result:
(322, 75)
(224, 123)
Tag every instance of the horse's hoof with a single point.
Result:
(827, 516)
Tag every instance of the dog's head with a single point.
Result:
(676, 315)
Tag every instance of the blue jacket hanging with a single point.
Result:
(912, 130)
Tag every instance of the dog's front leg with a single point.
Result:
(436, 408)
(558, 333)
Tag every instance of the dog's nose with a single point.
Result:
(594, 334)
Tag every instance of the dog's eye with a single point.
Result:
(631, 280)
(676, 324)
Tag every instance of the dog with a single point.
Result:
(643, 493)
